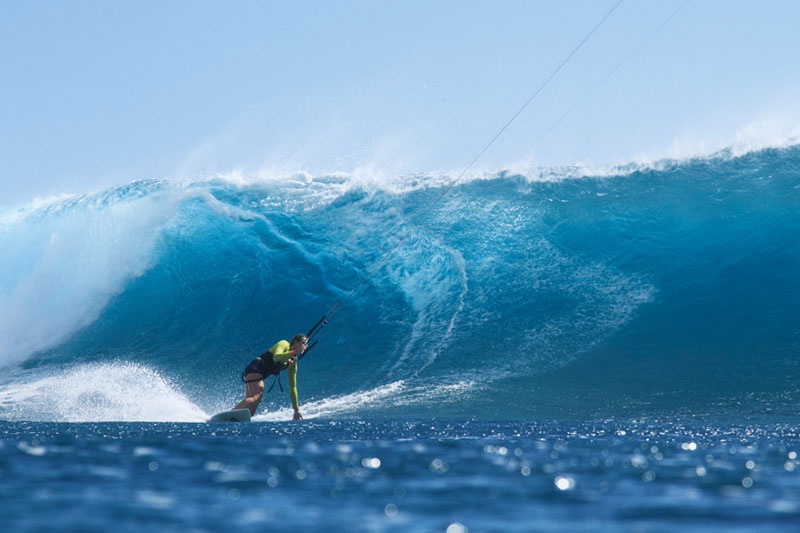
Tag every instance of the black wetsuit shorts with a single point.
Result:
(264, 365)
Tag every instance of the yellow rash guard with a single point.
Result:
(281, 353)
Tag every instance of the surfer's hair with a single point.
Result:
(299, 338)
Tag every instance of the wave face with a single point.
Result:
(641, 290)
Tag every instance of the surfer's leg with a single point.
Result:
(253, 393)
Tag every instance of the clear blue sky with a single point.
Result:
(97, 93)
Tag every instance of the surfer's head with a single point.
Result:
(299, 342)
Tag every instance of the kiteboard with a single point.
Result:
(235, 415)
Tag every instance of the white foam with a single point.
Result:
(394, 394)
(119, 392)
(302, 190)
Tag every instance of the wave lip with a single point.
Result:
(65, 261)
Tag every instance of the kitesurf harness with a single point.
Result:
(265, 365)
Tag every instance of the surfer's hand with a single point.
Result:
(297, 415)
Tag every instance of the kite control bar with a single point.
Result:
(316, 328)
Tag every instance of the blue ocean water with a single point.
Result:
(571, 349)
(393, 475)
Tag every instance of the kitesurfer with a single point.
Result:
(282, 356)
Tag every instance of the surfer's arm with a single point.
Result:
(282, 353)
(292, 371)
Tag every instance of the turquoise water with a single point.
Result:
(628, 337)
